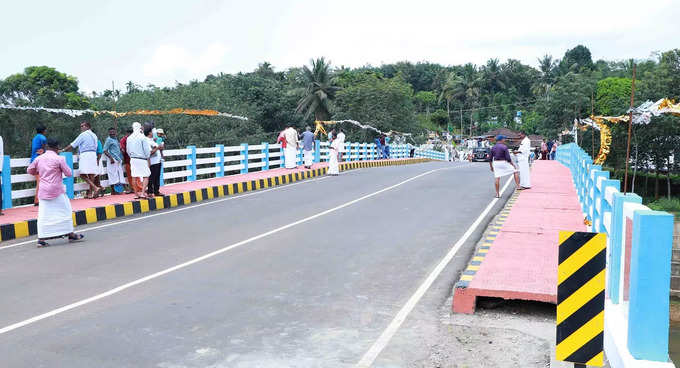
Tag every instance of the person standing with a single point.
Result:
(333, 153)
(2, 161)
(290, 151)
(341, 143)
(126, 163)
(550, 145)
(55, 219)
(114, 166)
(139, 150)
(382, 146)
(387, 147)
(378, 147)
(37, 149)
(501, 164)
(523, 154)
(154, 186)
(86, 143)
(553, 150)
(544, 150)
(308, 147)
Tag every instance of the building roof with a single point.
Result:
(508, 133)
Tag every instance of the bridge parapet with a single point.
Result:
(639, 250)
(195, 163)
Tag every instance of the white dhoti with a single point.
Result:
(309, 158)
(114, 171)
(290, 154)
(502, 168)
(139, 168)
(524, 173)
(54, 217)
(87, 163)
(333, 168)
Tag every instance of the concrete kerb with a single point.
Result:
(464, 302)
(92, 215)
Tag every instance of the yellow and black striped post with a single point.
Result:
(580, 298)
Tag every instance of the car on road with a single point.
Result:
(481, 154)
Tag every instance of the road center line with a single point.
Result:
(369, 358)
(202, 258)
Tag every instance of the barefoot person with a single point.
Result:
(501, 163)
(333, 153)
(86, 143)
(308, 147)
(291, 150)
(114, 167)
(54, 214)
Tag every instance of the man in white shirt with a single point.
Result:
(523, 161)
(2, 160)
(290, 152)
(341, 143)
(88, 167)
(139, 150)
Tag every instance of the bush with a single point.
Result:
(664, 204)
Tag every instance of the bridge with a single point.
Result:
(245, 263)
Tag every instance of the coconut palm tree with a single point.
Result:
(547, 65)
(320, 89)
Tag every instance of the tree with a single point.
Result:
(425, 100)
(493, 79)
(320, 90)
(547, 66)
(42, 86)
(613, 96)
(576, 59)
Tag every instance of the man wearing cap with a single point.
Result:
(501, 164)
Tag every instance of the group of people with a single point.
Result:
(139, 154)
(382, 144)
(547, 150)
(501, 163)
(291, 142)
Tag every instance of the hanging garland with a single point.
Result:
(641, 115)
(177, 111)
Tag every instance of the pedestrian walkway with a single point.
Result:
(519, 259)
(21, 221)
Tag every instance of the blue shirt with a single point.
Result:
(112, 146)
(308, 141)
(38, 142)
(85, 142)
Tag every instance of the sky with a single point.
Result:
(169, 42)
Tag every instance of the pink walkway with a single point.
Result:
(521, 263)
(14, 215)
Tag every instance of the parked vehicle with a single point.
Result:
(481, 154)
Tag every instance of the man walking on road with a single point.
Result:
(522, 155)
(55, 219)
(501, 164)
(308, 147)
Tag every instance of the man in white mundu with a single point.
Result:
(290, 152)
(341, 143)
(523, 161)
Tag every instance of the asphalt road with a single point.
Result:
(316, 293)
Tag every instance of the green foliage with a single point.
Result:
(386, 103)
(576, 60)
(665, 204)
(42, 86)
(320, 90)
(613, 96)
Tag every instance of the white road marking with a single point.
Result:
(184, 208)
(201, 258)
(369, 357)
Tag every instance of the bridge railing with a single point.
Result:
(639, 251)
(196, 163)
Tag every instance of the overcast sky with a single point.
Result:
(161, 42)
